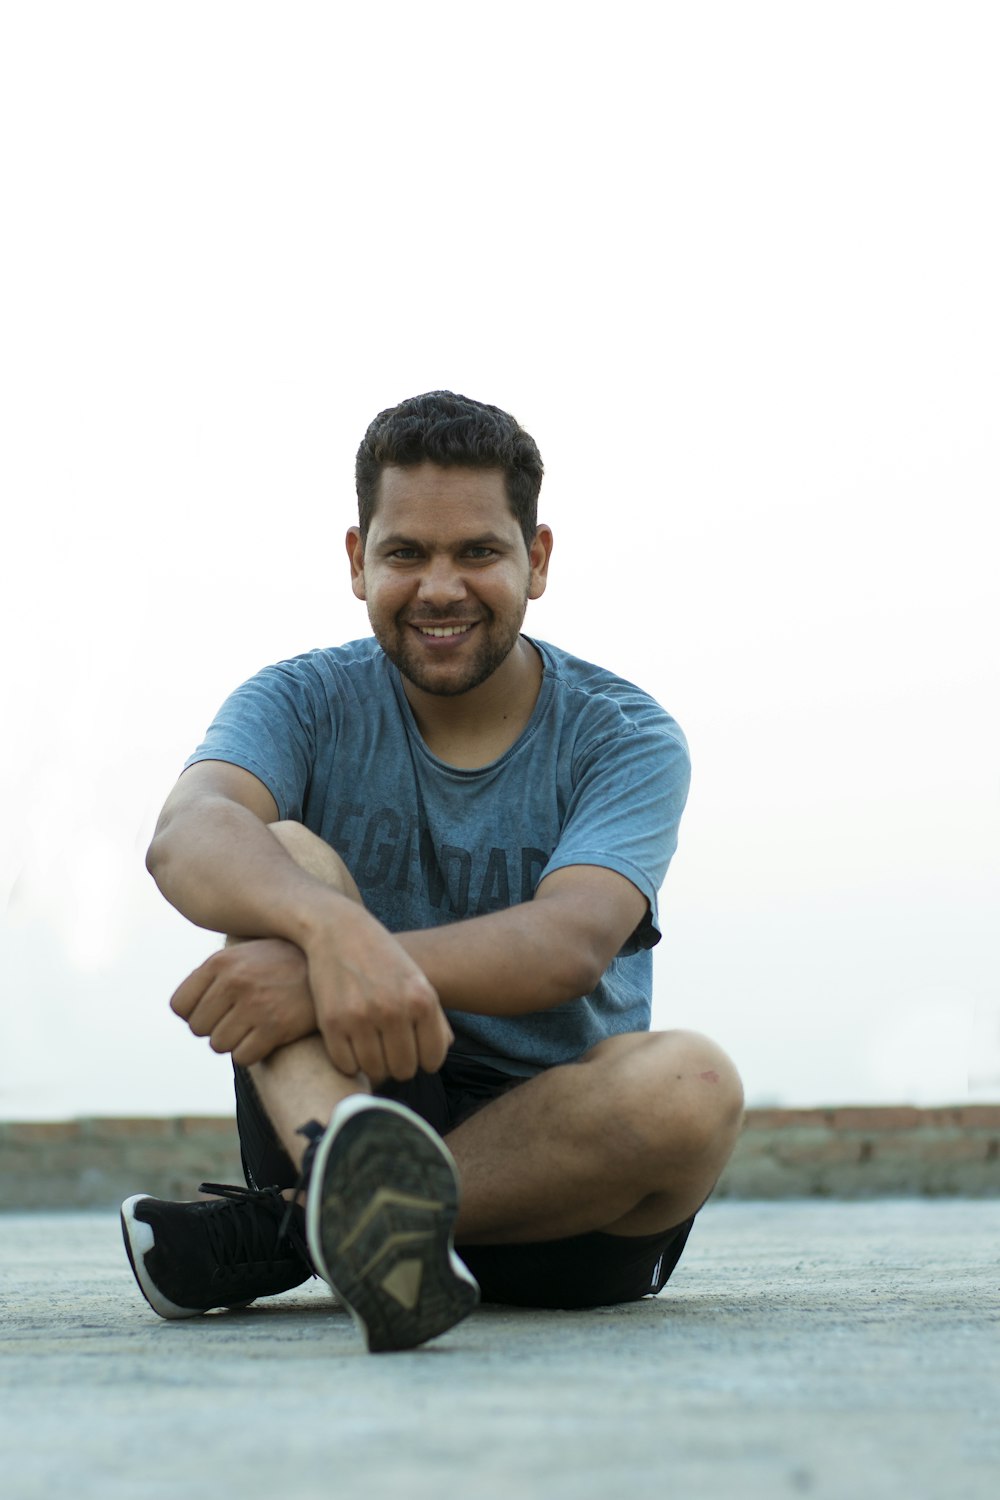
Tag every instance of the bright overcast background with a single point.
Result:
(735, 266)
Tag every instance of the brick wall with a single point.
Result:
(867, 1153)
(783, 1153)
(96, 1163)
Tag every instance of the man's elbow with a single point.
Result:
(173, 824)
(158, 853)
(582, 971)
(155, 856)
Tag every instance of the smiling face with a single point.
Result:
(445, 574)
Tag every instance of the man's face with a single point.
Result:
(445, 574)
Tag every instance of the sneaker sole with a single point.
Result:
(139, 1240)
(379, 1223)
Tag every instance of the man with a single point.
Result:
(436, 854)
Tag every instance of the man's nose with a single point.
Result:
(441, 583)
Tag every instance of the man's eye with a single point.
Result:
(404, 554)
(478, 553)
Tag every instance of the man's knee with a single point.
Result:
(315, 856)
(679, 1089)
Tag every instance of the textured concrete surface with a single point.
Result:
(783, 1153)
(821, 1349)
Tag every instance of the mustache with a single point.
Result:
(443, 617)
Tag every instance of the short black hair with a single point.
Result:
(453, 431)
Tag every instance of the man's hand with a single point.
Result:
(375, 1009)
(249, 999)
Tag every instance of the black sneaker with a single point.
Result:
(380, 1211)
(191, 1257)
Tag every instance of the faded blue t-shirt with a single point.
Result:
(598, 777)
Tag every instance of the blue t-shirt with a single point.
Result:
(599, 776)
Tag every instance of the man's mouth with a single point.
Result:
(440, 632)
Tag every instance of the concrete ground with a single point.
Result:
(802, 1348)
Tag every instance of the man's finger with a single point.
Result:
(433, 1036)
(214, 1004)
(252, 1049)
(399, 1044)
(229, 1032)
(190, 990)
(370, 1054)
(341, 1053)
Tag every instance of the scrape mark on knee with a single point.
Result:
(710, 1077)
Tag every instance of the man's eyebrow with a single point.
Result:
(396, 539)
(486, 539)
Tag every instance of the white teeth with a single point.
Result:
(443, 630)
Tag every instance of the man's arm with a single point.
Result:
(537, 954)
(256, 997)
(215, 859)
(377, 996)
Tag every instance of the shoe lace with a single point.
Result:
(313, 1132)
(246, 1233)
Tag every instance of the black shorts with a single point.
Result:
(585, 1270)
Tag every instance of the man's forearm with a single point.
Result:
(506, 964)
(223, 869)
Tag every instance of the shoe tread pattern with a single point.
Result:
(389, 1201)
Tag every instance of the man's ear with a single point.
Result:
(538, 556)
(356, 553)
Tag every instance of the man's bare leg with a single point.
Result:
(299, 1083)
(382, 1194)
(630, 1139)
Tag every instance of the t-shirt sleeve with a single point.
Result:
(628, 796)
(268, 727)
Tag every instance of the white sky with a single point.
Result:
(734, 266)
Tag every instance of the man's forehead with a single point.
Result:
(456, 498)
(405, 481)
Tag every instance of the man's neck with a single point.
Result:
(471, 729)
